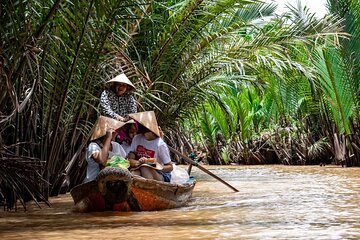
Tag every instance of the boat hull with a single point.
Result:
(114, 191)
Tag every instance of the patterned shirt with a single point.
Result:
(113, 106)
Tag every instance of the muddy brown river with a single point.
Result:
(274, 202)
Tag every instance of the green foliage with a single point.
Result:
(53, 58)
(335, 87)
(275, 82)
(318, 148)
(349, 10)
(185, 51)
(220, 66)
(208, 127)
(225, 156)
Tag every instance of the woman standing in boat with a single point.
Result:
(117, 101)
(148, 146)
(102, 146)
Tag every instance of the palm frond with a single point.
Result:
(336, 86)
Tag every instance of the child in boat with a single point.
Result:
(102, 146)
(149, 145)
(126, 134)
(117, 101)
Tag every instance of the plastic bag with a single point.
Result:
(118, 161)
(179, 175)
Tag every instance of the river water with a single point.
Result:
(273, 202)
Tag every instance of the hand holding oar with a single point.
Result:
(187, 159)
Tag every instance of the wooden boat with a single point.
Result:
(116, 189)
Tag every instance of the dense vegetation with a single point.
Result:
(245, 85)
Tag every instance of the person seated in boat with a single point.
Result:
(102, 146)
(126, 134)
(147, 146)
(117, 101)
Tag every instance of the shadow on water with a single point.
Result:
(274, 202)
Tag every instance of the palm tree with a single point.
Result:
(348, 53)
(279, 68)
(53, 55)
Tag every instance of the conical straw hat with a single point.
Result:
(122, 78)
(105, 124)
(148, 120)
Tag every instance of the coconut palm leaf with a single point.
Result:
(208, 128)
(335, 86)
(318, 148)
(350, 48)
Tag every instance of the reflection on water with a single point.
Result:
(274, 202)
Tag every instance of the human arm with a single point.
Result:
(131, 155)
(168, 167)
(102, 155)
(132, 159)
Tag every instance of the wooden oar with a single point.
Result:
(189, 160)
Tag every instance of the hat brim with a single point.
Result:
(122, 78)
(104, 124)
(148, 120)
